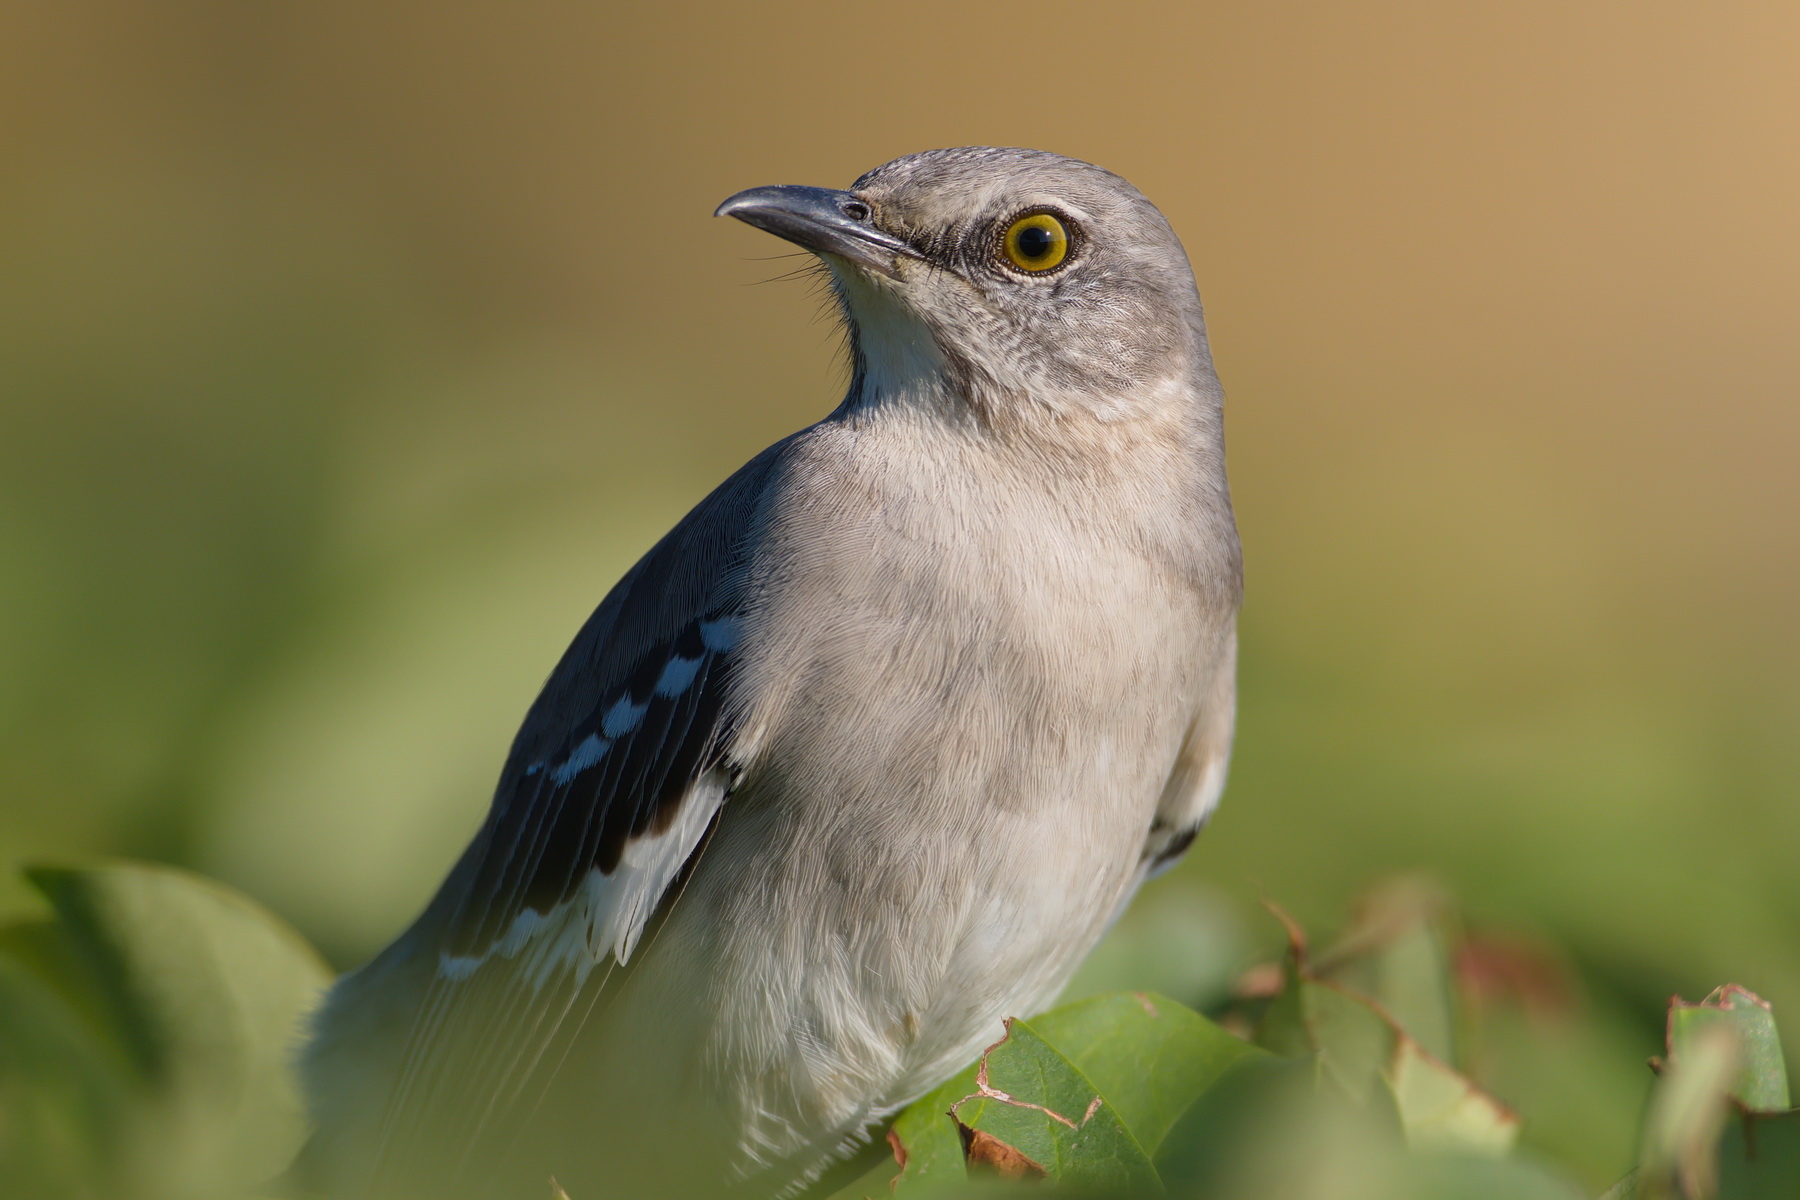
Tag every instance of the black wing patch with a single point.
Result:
(620, 773)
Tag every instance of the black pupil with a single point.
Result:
(1034, 241)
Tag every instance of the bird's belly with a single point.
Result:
(862, 942)
(878, 974)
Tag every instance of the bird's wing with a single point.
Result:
(1194, 786)
(607, 795)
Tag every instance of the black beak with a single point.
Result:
(821, 220)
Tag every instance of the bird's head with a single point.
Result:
(1008, 281)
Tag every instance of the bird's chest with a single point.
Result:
(962, 708)
(970, 638)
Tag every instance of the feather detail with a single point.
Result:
(441, 1046)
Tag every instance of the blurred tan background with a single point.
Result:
(350, 351)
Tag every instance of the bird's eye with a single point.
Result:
(1035, 243)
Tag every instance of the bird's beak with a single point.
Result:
(821, 220)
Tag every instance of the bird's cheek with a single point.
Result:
(915, 274)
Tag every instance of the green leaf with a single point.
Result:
(1373, 1061)
(926, 1137)
(200, 995)
(1759, 1157)
(1355, 1043)
(1260, 1100)
(1271, 1129)
(1712, 1128)
(1150, 1056)
(1398, 954)
(1761, 1085)
(1625, 1189)
(1442, 1110)
(1461, 1177)
(1363, 1048)
(1033, 1107)
(1282, 1030)
(64, 1099)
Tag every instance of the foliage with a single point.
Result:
(1348, 1087)
(146, 1028)
(147, 1025)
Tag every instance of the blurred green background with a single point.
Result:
(348, 352)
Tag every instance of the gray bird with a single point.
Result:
(864, 755)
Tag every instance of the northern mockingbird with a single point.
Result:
(864, 755)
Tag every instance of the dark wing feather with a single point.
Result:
(607, 796)
(620, 773)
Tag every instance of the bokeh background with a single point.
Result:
(349, 352)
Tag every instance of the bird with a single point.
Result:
(863, 756)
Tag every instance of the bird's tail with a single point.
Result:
(349, 1066)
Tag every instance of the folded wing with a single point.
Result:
(426, 1059)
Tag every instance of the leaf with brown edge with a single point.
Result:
(1398, 952)
(1761, 1085)
(1150, 1056)
(985, 1152)
(1372, 1057)
(925, 1142)
(1441, 1109)
(1032, 1100)
(1147, 1057)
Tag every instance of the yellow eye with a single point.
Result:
(1037, 242)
